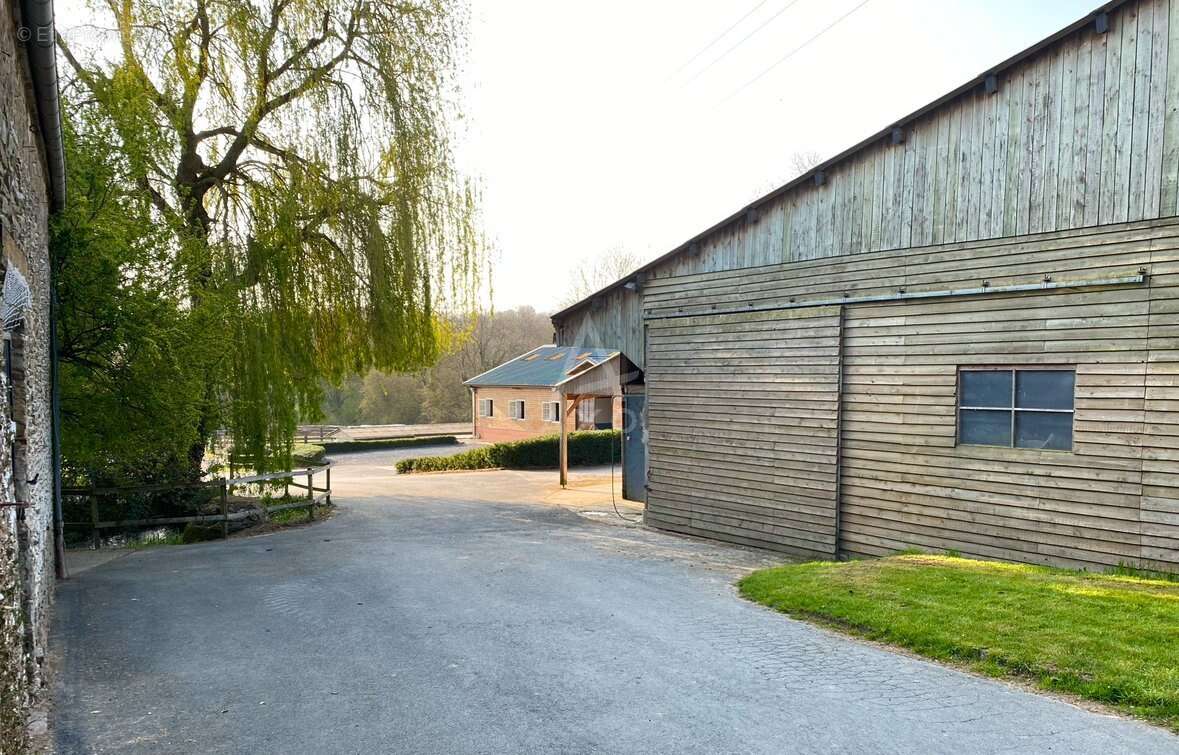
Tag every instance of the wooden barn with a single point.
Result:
(960, 334)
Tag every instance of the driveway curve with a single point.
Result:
(454, 614)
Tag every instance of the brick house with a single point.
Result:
(519, 399)
(32, 184)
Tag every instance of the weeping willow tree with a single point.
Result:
(298, 156)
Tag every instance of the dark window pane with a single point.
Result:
(1045, 389)
(1051, 430)
(981, 427)
(986, 388)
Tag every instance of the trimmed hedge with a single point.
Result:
(366, 445)
(308, 453)
(585, 448)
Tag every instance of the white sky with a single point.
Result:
(585, 140)
(585, 137)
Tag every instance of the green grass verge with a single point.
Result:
(590, 447)
(1112, 639)
(297, 516)
(368, 445)
(308, 454)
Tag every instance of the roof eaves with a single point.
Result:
(520, 386)
(583, 373)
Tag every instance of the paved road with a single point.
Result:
(445, 616)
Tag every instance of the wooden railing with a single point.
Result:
(313, 433)
(315, 496)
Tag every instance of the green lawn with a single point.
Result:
(1113, 639)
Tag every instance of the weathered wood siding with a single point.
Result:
(1084, 133)
(741, 414)
(904, 481)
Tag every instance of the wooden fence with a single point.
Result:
(314, 497)
(316, 433)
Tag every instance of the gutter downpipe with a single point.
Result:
(38, 33)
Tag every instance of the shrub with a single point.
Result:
(307, 454)
(199, 533)
(585, 448)
(367, 445)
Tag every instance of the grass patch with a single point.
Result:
(1108, 638)
(296, 516)
(590, 447)
(308, 454)
(370, 445)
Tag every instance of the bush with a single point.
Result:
(585, 448)
(307, 454)
(367, 445)
(200, 533)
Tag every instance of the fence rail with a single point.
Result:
(316, 432)
(314, 497)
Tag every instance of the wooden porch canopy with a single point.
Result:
(587, 381)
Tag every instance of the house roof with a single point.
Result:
(544, 366)
(635, 277)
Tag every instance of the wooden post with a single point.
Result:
(95, 536)
(225, 509)
(328, 485)
(564, 446)
(310, 495)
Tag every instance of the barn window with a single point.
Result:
(485, 407)
(551, 411)
(516, 409)
(1016, 408)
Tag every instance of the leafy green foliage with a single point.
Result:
(585, 448)
(437, 394)
(1105, 638)
(308, 454)
(370, 445)
(131, 355)
(289, 167)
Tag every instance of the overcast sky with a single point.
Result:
(586, 136)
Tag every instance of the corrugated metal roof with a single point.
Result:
(543, 366)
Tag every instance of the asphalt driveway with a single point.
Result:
(483, 613)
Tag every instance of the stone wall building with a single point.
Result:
(31, 187)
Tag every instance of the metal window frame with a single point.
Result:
(490, 407)
(1014, 410)
(511, 409)
(554, 407)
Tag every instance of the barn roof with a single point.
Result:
(544, 366)
(634, 280)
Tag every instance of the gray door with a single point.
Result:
(634, 447)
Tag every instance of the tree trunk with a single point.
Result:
(198, 226)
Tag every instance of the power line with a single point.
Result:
(742, 41)
(793, 52)
(719, 37)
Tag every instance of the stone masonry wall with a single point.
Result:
(26, 537)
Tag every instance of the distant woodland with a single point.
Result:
(437, 394)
